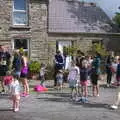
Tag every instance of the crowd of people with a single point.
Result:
(11, 77)
(80, 71)
(85, 69)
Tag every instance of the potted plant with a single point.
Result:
(34, 68)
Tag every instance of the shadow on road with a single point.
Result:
(5, 110)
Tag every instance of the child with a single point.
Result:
(117, 102)
(15, 92)
(42, 74)
(59, 78)
(72, 78)
(7, 80)
(84, 71)
(118, 73)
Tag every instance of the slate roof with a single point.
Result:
(75, 17)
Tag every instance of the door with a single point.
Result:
(61, 45)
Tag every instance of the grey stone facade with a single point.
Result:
(42, 44)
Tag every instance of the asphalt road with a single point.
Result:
(54, 105)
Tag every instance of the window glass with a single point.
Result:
(20, 13)
(20, 43)
(20, 18)
(20, 4)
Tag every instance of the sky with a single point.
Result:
(109, 6)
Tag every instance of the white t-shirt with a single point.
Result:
(42, 71)
(15, 87)
(114, 66)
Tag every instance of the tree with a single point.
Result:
(117, 19)
(99, 48)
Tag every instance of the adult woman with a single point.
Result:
(4, 60)
(17, 63)
(24, 73)
(95, 74)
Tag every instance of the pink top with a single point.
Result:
(8, 79)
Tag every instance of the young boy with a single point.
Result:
(59, 78)
(42, 74)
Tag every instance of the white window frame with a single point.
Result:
(20, 11)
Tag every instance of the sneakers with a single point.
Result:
(115, 107)
(108, 85)
(24, 94)
(97, 95)
(16, 109)
(83, 99)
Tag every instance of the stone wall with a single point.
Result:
(82, 42)
(36, 32)
(38, 22)
(5, 15)
(42, 43)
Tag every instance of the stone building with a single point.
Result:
(42, 26)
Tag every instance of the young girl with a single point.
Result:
(118, 73)
(15, 92)
(84, 71)
(72, 78)
(59, 78)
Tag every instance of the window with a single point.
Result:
(20, 14)
(21, 43)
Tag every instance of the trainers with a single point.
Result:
(97, 95)
(23, 95)
(84, 100)
(114, 107)
(16, 109)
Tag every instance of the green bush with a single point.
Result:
(99, 48)
(117, 19)
(34, 67)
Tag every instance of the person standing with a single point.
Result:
(15, 92)
(59, 64)
(17, 63)
(4, 65)
(109, 70)
(95, 74)
(74, 73)
(24, 74)
(84, 73)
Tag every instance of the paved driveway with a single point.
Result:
(54, 105)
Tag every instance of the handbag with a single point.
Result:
(24, 70)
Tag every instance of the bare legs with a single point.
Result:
(25, 86)
(16, 102)
(95, 90)
(2, 83)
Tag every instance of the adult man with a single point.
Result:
(59, 64)
(4, 63)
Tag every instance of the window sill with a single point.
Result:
(19, 27)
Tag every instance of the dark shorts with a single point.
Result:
(23, 75)
(94, 79)
(3, 70)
